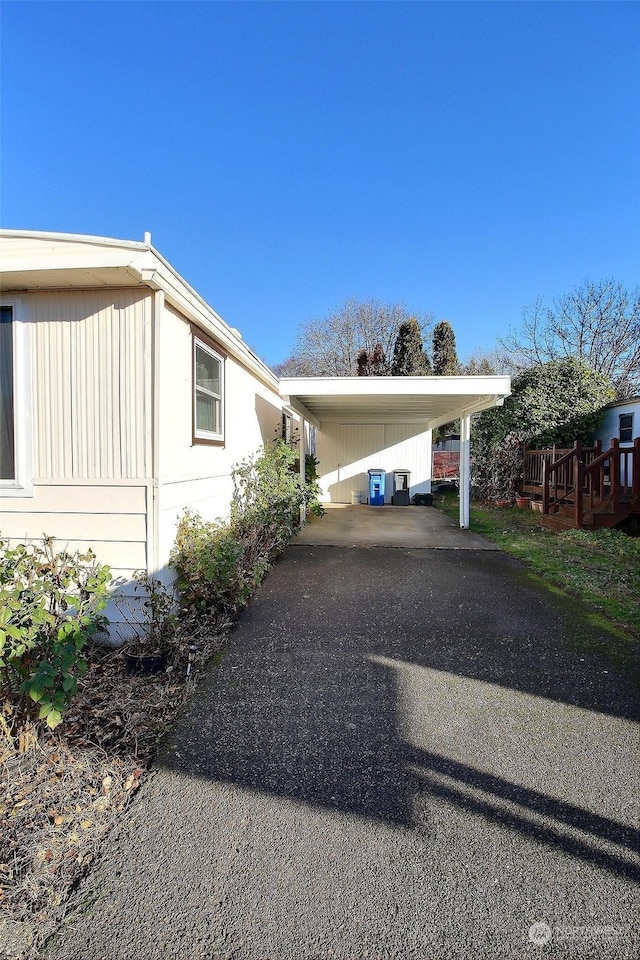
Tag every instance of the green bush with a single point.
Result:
(50, 605)
(268, 495)
(220, 564)
(557, 402)
(208, 563)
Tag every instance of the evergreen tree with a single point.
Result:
(362, 363)
(409, 359)
(445, 358)
(378, 362)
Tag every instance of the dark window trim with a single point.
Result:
(628, 428)
(21, 484)
(11, 399)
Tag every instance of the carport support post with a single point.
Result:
(465, 470)
(303, 456)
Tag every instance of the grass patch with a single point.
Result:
(601, 569)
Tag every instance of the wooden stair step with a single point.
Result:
(556, 521)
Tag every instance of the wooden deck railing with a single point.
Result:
(583, 481)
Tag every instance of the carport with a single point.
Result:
(388, 417)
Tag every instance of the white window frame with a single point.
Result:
(199, 435)
(22, 484)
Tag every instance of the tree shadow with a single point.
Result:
(344, 681)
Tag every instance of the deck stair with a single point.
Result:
(585, 487)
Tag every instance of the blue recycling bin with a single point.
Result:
(376, 487)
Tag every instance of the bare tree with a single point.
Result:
(329, 347)
(482, 363)
(597, 323)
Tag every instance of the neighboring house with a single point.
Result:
(621, 422)
(126, 399)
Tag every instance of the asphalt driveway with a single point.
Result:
(405, 753)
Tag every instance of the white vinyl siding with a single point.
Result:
(91, 355)
(208, 387)
(111, 520)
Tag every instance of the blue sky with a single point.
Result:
(461, 158)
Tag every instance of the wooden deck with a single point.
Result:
(585, 487)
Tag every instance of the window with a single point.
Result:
(287, 427)
(7, 417)
(15, 420)
(625, 432)
(208, 393)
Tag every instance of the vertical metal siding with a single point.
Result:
(89, 384)
(346, 451)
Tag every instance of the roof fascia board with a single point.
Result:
(149, 268)
(396, 386)
(74, 238)
(160, 276)
(484, 403)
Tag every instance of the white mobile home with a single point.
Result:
(125, 398)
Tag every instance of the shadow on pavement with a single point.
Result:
(379, 682)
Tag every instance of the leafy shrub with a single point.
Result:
(313, 487)
(219, 565)
(268, 495)
(50, 605)
(208, 562)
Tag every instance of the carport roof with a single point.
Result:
(432, 401)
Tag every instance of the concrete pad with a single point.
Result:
(344, 525)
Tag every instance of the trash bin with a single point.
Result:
(401, 488)
(376, 487)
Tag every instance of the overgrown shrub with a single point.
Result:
(50, 605)
(208, 562)
(220, 564)
(558, 402)
(268, 495)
